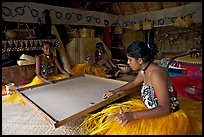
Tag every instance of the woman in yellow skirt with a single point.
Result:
(101, 59)
(98, 64)
(47, 67)
(46, 70)
(155, 112)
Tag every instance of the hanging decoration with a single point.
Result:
(26, 45)
(149, 22)
(183, 21)
(118, 27)
(136, 26)
(29, 12)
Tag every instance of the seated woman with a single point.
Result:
(47, 67)
(98, 64)
(156, 112)
(101, 59)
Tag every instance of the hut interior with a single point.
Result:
(76, 27)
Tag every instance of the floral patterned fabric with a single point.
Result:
(150, 100)
(48, 67)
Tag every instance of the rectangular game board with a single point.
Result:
(70, 98)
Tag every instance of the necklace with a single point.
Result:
(143, 71)
(47, 55)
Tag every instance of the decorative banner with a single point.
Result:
(22, 45)
(164, 17)
(29, 12)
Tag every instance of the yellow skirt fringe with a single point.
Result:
(37, 81)
(176, 123)
(87, 68)
(15, 98)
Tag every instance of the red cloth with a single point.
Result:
(190, 67)
(107, 37)
(188, 86)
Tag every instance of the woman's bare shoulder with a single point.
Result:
(159, 72)
(41, 57)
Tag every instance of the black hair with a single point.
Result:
(99, 44)
(140, 49)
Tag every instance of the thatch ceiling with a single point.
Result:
(118, 8)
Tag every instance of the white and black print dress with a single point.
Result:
(150, 99)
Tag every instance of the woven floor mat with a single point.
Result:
(18, 119)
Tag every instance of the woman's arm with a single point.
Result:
(128, 86)
(109, 60)
(38, 71)
(94, 57)
(60, 68)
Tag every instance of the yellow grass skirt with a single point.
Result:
(176, 123)
(87, 68)
(37, 81)
(15, 98)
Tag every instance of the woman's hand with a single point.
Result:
(124, 118)
(109, 93)
(50, 81)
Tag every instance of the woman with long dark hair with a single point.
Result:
(155, 112)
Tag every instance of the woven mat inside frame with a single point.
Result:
(18, 119)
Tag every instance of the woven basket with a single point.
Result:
(118, 30)
(188, 20)
(179, 22)
(147, 25)
(125, 68)
(11, 34)
(183, 23)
